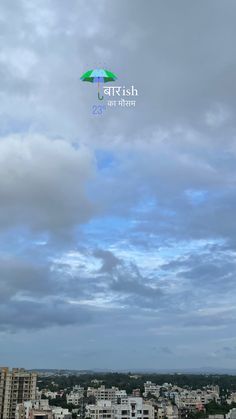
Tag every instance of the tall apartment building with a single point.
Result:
(16, 386)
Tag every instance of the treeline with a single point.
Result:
(128, 382)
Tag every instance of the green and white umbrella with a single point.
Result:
(98, 76)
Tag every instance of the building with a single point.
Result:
(75, 396)
(136, 392)
(167, 410)
(135, 408)
(103, 393)
(34, 409)
(49, 394)
(103, 409)
(121, 397)
(40, 409)
(60, 413)
(231, 414)
(232, 398)
(78, 389)
(151, 388)
(16, 386)
(195, 399)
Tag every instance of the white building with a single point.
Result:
(103, 409)
(232, 398)
(75, 396)
(151, 388)
(79, 390)
(135, 408)
(49, 394)
(24, 409)
(167, 411)
(103, 393)
(59, 413)
(36, 409)
(121, 396)
(231, 414)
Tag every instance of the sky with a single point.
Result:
(117, 232)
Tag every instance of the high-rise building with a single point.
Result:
(16, 386)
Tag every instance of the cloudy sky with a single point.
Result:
(117, 232)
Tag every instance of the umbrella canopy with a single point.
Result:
(98, 75)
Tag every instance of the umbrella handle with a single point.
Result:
(100, 97)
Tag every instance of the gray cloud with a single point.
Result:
(23, 277)
(18, 315)
(109, 260)
(126, 280)
(44, 184)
